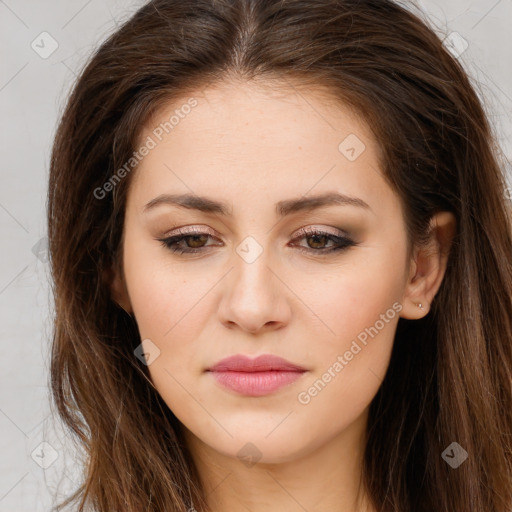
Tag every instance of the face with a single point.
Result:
(258, 268)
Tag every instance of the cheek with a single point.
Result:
(169, 306)
(359, 310)
(164, 293)
(171, 310)
(349, 367)
(356, 295)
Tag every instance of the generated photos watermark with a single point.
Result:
(150, 143)
(305, 397)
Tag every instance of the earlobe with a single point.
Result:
(118, 291)
(428, 267)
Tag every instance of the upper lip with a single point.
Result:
(265, 362)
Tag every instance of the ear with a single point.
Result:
(428, 266)
(115, 280)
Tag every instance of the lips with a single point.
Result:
(255, 377)
(263, 363)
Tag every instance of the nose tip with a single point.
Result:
(252, 326)
(252, 300)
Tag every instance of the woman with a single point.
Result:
(281, 253)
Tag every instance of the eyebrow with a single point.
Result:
(283, 208)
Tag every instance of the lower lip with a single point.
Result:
(256, 383)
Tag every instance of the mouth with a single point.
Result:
(255, 377)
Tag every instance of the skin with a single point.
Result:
(251, 148)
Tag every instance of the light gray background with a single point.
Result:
(33, 90)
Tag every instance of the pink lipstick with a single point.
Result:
(255, 377)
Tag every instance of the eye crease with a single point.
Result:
(312, 235)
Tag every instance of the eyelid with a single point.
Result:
(313, 229)
(188, 230)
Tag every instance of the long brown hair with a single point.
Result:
(450, 375)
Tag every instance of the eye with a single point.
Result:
(194, 237)
(195, 241)
(315, 237)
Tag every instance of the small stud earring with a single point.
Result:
(420, 305)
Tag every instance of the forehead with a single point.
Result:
(270, 141)
(237, 109)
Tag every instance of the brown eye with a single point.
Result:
(196, 240)
(187, 241)
(317, 241)
(193, 242)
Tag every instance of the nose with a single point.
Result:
(255, 297)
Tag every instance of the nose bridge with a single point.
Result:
(252, 298)
(252, 260)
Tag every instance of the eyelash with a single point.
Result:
(343, 242)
